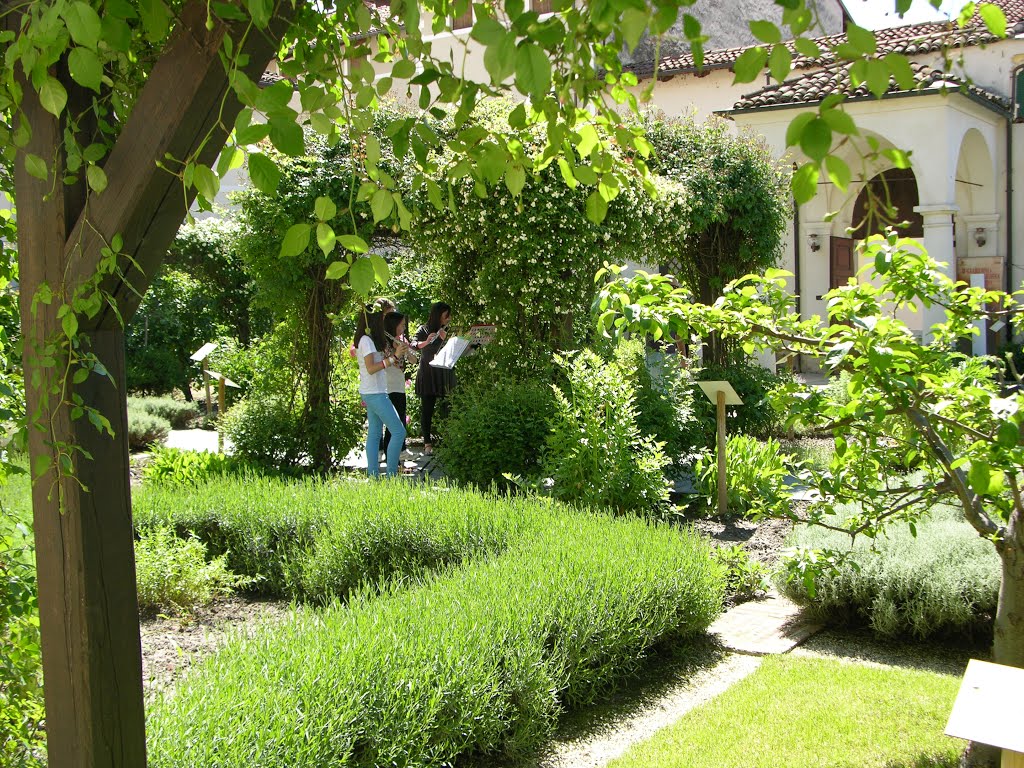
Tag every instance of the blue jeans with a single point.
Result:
(381, 412)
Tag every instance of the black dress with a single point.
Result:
(432, 381)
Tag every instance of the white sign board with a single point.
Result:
(988, 707)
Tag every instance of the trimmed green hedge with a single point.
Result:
(316, 539)
(944, 581)
(478, 660)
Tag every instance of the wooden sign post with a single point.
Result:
(721, 394)
(222, 382)
(987, 709)
(200, 356)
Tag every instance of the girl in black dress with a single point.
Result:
(433, 384)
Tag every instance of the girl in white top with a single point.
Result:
(374, 390)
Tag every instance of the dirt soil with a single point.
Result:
(763, 541)
(170, 645)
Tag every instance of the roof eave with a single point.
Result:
(992, 106)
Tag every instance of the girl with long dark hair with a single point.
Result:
(433, 384)
(374, 361)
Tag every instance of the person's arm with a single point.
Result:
(372, 366)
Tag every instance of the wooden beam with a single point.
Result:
(186, 99)
(92, 660)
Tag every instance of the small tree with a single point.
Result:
(908, 404)
(522, 254)
(738, 197)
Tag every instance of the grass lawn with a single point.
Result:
(798, 713)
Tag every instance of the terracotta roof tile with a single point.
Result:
(813, 87)
(911, 39)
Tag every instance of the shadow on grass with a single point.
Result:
(948, 657)
(927, 761)
(668, 667)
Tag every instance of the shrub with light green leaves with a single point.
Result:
(146, 430)
(478, 661)
(756, 475)
(595, 454)
(178, 412)
(944, 581)
(174, 575)
(177, 467)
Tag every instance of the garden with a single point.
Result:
(573, 558)
(563, 579)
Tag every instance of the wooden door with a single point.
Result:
(841, 263)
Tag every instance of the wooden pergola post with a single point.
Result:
(92, 662)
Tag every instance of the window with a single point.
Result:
(542, 6)
(465, 21)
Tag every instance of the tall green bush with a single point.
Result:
(497, 426)
(757, 478)
(595, 455)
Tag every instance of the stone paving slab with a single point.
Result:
(772, 625)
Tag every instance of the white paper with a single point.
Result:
(450, 352)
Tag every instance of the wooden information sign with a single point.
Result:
(988, 710)
(721, 394)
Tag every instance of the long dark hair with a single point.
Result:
(437, 309)
(390, 325)
(370, 316)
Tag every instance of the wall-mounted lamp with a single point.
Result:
(814, 242)
(979, 237)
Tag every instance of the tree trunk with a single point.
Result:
(316, 413)
(1008, 644)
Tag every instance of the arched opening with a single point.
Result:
(888, 200)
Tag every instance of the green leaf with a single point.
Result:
(838, 172)
(325, 208)
(816, 139)
(588, 140)
(296, 240)
(780, 62)
(806, 47)
(325, 238)
(206, 182)
(1008, 434)
(230, 158)
(749, 65)
(52, 96)
(533, 70)
(156, 19)
(877, 77)
(805, 183)
(41, 464)
(980, 477)
(487, 30)
(500, 59)
(381, 204)
(337, 270)
(260, 10)
(361, 276)
(36, 166)
(994, 18)
(96, 177)
(633, 23)
(863, 40)
(515, 178)
(381, 270)
(83, 24)
(796, 127)
(264, 173)
(353, 243)
(70, 324)
(286, 135)
(517, 117)
(597, 207)
(839, 121)
(899, 66)
(766, 32)
(85, 68)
